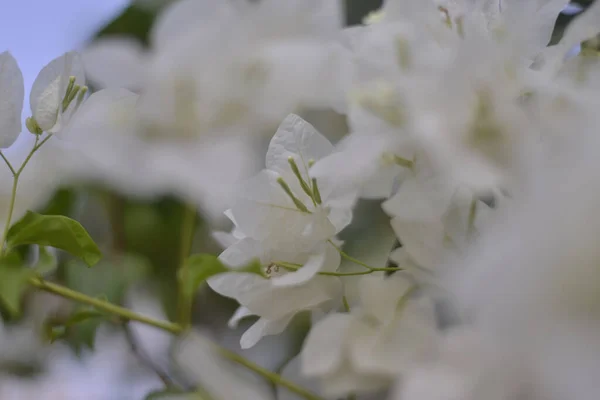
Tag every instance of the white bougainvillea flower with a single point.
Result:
(383, 336)
(109, 150)
(122, 62)
(49, 106)
(300, 267)
(363, 162)
(278, 299)
(434, 220)
(115, 62)
(468, 367)
(199, 361)
(253, 63)
(11, 103)
(283, 206)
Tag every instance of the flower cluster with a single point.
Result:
(477, 137)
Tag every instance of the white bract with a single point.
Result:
(382, 336)
(287, 221)
(109, 149)
(57, 92)
(283, 206)
(11, 87)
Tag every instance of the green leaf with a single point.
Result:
(14, 279)
(57, 231)
(46, 263)
(83, 315)
(54, 333)
(80, 326)
(200, 267)
(109, 279)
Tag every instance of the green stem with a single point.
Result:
(188, 225)
(296, 267)
(346, 304)
(8, 164)
(11, 207)
(357, 261)
(271, 376)
(103, 305)
(36, 147)
(175, 329)
(13, 194)
(129, 315)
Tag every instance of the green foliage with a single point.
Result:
(133, 21)
(13, 282)
(109, 280)
(61, 203)
(57, 231)
(47, 262)
(82, 324)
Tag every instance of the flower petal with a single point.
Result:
(183, 15)
(262, 298)
(379, 295)
(115, 62)
(11, 100)
(324, 347)
(314, 264)
(50, 86)
(264, 327)
(298, 139)
(241, 313)
(241, 253)
(264, 212)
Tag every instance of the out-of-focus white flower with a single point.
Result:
(254, 62)
(115, 62)
(253, 76)
(434, 220)
(468, 368)
(109, 149)
(381, 337)
(200, 361)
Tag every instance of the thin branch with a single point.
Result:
(8, 164)
(270, 375)
(103, 305)
(188, 226)
(143, 358)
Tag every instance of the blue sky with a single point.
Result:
(36, 31)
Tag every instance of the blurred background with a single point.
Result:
(140, 238)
